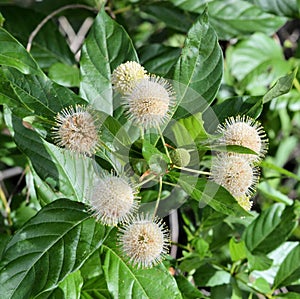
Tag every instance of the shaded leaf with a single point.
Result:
(159, 59)
(53, 244)
(106, 47)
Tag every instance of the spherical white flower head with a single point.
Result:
(126, 75)
(150, 102)
(76, 130)
(144, 241)
(234, 173)
(245, 202)
(113, 200)
(246, 132)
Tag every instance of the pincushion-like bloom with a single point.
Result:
(150, 101)
(246, 132)
(234, 173)
(113, 199)
(144, 241)
(126, 75)
(76, 129)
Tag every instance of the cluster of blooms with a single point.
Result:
(143, 239)
(238, 173)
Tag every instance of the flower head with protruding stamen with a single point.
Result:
(126, 75)
(76, 129)
(150, 102)
(144, 241)
(113, 199)
(246, 132)
(234, 173)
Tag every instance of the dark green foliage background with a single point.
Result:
(226, 58)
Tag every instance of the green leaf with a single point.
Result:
(170, 15)
(199, 69)
(159, 59)
(37, 95)
(238, 18)
(289, 295)
(125, 281)
(13, 54)
(106, 47)
(1, 20)
(187, 130)
(256, 62)
(287, 8)
(191, 5)
(261, 285)
(72, 285)
(65, 75)
(251, 106)
(289, 270)
(237, 250)
(67, 174)
(95, 288)
(282, 86)
(188, 291)
(208, 276)
(271, 228)
(258, 262)
(49, 46)
(207, 192)
(50, 246)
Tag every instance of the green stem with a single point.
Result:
(146, 181)
(296, 84)
(164, 143)
(6, 206)
(158, 197)
(192, 170)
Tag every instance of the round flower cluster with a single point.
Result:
(236, 172)
(76, 129)
(148, 99)
(143, 240)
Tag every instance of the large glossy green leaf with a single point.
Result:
(68, 175)
(106, 47)
(13, 54)
(288, 8)
(271, 228)
(235, 18)
(289, 270)
(255, 63)
(199, 69)
(126, 282)
(208, 193)
(53, 244)
(37, 95)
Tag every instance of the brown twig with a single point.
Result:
(50, 16)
